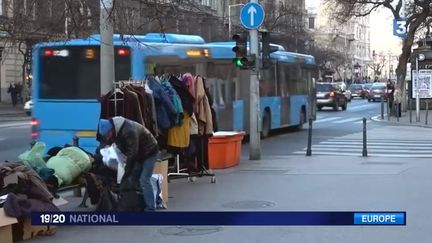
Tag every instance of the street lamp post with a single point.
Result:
(229, 16)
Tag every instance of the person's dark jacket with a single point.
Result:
(134, 141)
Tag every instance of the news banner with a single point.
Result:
(268, 218)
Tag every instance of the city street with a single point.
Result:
(15, 137)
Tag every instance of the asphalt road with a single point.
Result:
(15, 138)
(329, 124)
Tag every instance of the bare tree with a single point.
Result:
(378, 64)
(417, 12)
(287, 21)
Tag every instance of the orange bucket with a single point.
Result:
(224, 149)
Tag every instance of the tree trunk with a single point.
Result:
(406, 52)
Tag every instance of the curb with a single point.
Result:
(378, 119)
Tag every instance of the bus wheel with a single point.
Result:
(265, 124)
(302, 119)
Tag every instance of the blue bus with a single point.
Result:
(66, 83)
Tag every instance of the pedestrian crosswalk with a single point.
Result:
(382, 142)
(340, 120)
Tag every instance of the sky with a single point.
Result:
(381, 32)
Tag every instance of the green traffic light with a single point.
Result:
(238, 62)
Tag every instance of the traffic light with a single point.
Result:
(266, 49)
(242, 60)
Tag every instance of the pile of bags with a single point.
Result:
(65, 166)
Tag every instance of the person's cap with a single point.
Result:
(104, 127)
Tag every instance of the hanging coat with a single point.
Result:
(165, 111)
(186, 97)
(127, 105)
(179, 136)
(175, 99)
(146, 108)
(202, 108)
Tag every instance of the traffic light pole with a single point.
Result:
(254, 131)
(107, 48)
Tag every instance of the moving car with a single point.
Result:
(366, 88)
(357, 90)
(28, 107)
(330, 95)
(377, 91)
(343, 87)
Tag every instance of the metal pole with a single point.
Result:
(417, 93)
(410, 111)
(364, 152)
(382, 107)
(107, 47)
(388, 108)
(75, 141)
(427, 111)
(397, 112)
(309, 145)
(255, 142)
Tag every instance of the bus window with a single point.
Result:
(161, 69)
(221, 78)
(74, 72)
(267, 83)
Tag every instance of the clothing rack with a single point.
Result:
(118, 85)
(178, 173)
(203, 171)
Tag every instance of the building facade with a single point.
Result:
(343, 48)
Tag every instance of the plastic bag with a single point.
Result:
(68, 164)
(156, 181)
(109, 158)
(34, 157)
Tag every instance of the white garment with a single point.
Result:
(147, 89)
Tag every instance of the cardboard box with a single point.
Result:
(6, 223)
(161, 167)
(24, 230)
(13, 229)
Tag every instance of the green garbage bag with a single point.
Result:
(34, 157)
(68, 164)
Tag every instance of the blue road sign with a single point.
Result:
(399, 27)
(252, 16)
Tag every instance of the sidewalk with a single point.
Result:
(286, 183)
(405, 119)
(9, 113)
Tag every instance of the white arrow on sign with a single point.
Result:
(252, 11)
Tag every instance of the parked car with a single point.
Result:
(28, 107)
(330, 95)
(357, 90)
(377, 91)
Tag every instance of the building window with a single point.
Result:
(311, 23)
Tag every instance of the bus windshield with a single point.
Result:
(73, 72)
